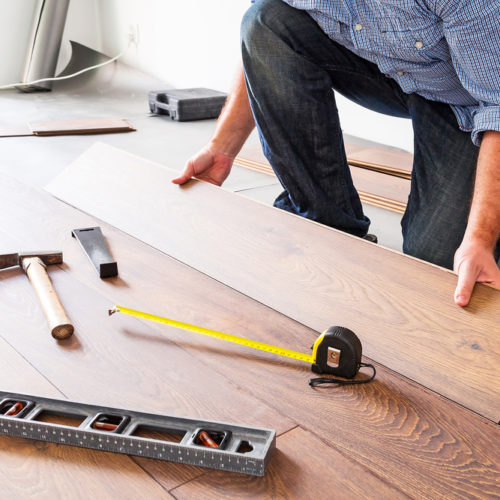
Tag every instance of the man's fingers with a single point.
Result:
(185, 176)
(181, 180)
(467, 276)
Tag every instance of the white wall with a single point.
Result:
(15, 29)
(16, 21)
(83, 25)
(187, 43)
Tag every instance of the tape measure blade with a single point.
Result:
(227, 337)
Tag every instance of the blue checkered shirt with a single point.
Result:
(444, 50)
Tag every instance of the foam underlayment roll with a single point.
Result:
(45, 43)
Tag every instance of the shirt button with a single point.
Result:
(400, 73)
(419, 44)
(358, 27)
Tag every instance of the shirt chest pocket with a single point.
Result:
(424, 44)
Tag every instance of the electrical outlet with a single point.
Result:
(133, 34)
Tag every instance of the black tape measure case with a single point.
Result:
(339, 353)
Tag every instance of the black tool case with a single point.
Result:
(187, 104)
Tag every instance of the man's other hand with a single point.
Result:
(474, 262)
(207, 165)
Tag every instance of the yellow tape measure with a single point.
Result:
(336, 351)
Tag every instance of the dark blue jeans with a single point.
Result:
(291, 67)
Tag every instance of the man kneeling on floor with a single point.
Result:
(436, 62)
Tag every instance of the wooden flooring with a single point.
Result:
(379, 182)
(46, 471)
(401, 308)
(388, 161)
(389, 439)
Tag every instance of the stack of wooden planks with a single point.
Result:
(382, 177)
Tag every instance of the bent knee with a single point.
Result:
(262, 17)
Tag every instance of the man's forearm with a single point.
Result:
(483, 227)
(214, 161)
(236, 120)
(474, 259)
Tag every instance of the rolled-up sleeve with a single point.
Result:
(472, 29)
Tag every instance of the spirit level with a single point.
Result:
(203, 443)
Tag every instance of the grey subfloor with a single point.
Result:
(121, 92)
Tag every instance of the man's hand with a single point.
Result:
(474, 262)
(207, 165)
(213, 163)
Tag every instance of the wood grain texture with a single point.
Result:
(398, 163)
(374, 186)
(318, 472)
(17, 375)
(397, 305)
(422, 431)
(421, 444)
(102, 352)
(389, 161)
(104, 359)
(58, 322)
(42, 470)
(413, 439)
(47, 471)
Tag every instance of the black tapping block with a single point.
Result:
(92, 241)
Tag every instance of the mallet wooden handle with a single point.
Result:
(59, 323)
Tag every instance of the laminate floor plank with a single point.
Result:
(398, 306)
(17, 375)
(46, 471)
(399, 163)
(384, 187)
(319, 472)
(30, 469)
